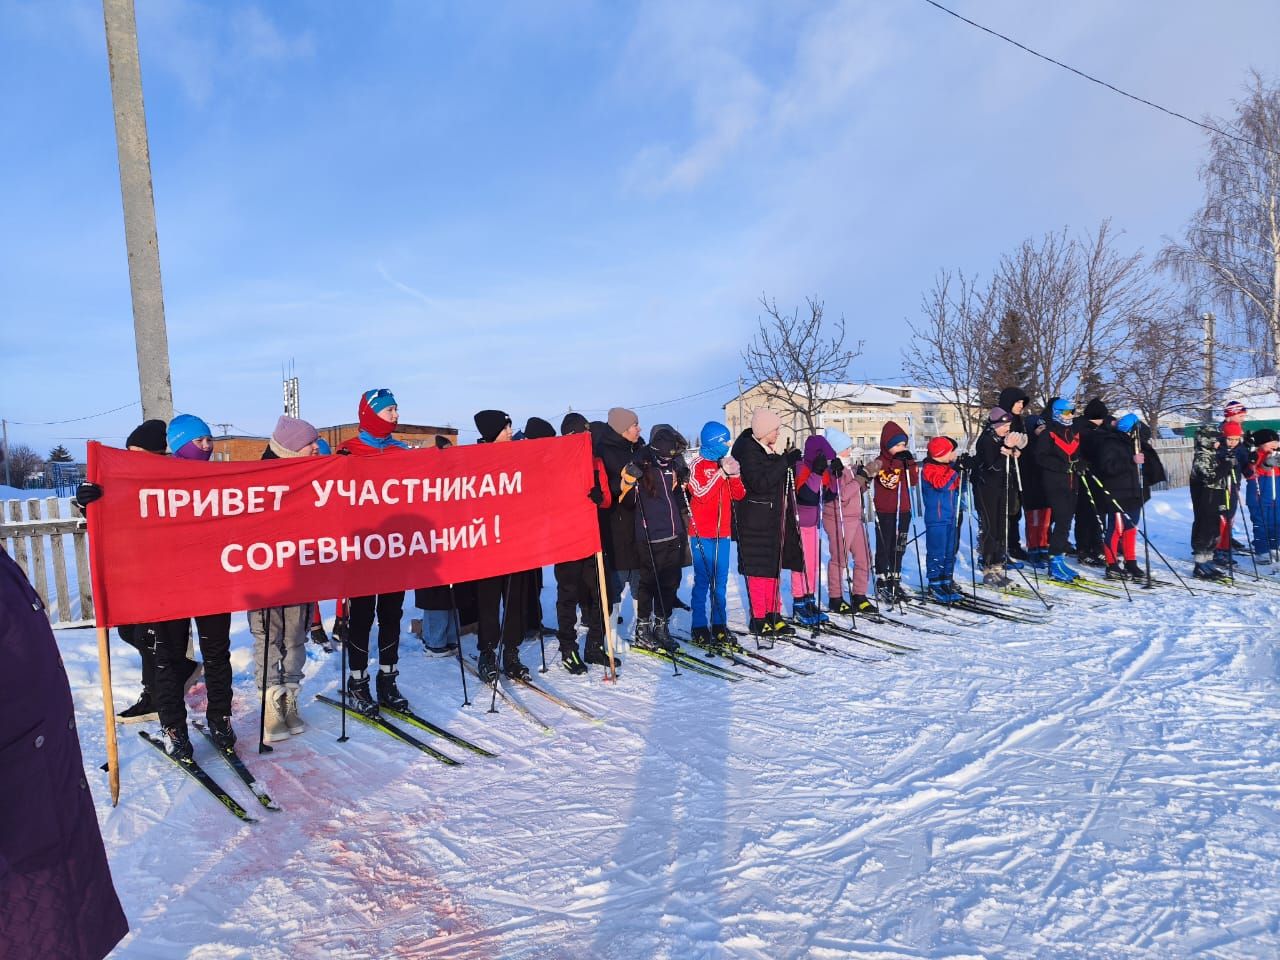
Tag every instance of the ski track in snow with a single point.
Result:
(1106, 784)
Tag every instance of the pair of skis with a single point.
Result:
(198, 773)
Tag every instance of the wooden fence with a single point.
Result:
(39, 537)
(1175, 455)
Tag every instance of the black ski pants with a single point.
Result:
(137, 636)
(1062, 493)
(389, 608)
(577, 585)
(1206, 523)
(213, 633)
(892, 532)
(992, 525)
(1088, 529)
(503, 603)
(656, 591)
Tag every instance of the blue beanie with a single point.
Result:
(183, 429)
(379, 400)
(322, 446)
(839, 440)
(713, 440)
(1126, 423)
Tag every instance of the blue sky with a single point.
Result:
(538, 206)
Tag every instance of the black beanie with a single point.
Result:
(538, 429)
(1095, 409)
(678, 440)
(490, 423)
(573, 423)
(665, 441)
(1264, 435)
(150, 436)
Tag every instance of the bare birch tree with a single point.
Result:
(799, 361)
(950, 346)
(1232, 244)
(1159, 371)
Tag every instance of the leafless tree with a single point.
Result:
(1159, 371)
(800, 361)
(23, 461)
(950, 346)
(1232, 244)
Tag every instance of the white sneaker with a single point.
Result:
(292, 719)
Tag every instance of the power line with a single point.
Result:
(54, 423)
(1102, 83)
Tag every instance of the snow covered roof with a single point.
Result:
(879, 395)
(1255, 392)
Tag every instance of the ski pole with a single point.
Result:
(1017, 472)
(1149, 542)
(457, 636)
(1251, 522)
(266, 653)
(915, 536)
(342, 684)
(502, 640)
(1142, 508)
(542, 640)
(653, 563)
(1111, 543)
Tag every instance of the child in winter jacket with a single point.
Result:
(940, 493)
(993, 485)
(377, 413)
(767, 539)
(1236, 455)
(813, 489)
(280, 633)
(660, 531)
(714, 487)
(898, 476)
(846, 534)
(1057, 453)
(1212, 466)
(1261, 494)
(1116, 461)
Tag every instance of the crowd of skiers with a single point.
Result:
(662, 509)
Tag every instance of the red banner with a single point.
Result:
(174, 538)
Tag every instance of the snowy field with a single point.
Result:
(1104, 785)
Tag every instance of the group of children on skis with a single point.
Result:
(661, 512)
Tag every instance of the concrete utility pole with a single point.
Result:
(151, 339)
(1208, 319)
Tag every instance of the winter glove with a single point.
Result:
(905, 456)
(872, 467)
(966, 461)
(682, 472)
(633, 472)
(596, 496)
(1011, 440)
(820, 463)
(837, 468)
(341, 627)
(793, 456)
(1019, 440)
(730, 466)
(86, 493)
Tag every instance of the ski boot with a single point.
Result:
(1012, 563)
(487, 667)
(571, 661)
(1017, 553)
(1116, 572)
(994, 576)
(1088, 560)
(1223, 558)
(701, 637)
(1039, 559)
(942, 593)
(512, 668)
(1133, 570)
(144, 709)
(597, 655)
(642, 634)
(863, 604)
(662, 636)
(1207, 571)
(319, 637)
(1058, 570)
(840, 605)
(724, 639)
(220, 730)
(359, 698)
(805, 610)
(389, 694)
(779, 627)
(762, 629)
(177, 743)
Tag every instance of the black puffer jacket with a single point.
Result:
(618, 523)
(766, 527)
(1111, 461)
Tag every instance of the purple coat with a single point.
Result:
(56, 895)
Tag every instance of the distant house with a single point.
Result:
(1260, 394)
(239, 448)
(860, 410)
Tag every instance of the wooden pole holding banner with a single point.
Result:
(606, 615)
(109, 714)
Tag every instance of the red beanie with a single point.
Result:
(1232, 429)
(940, 447)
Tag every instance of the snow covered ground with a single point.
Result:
(1104, 785)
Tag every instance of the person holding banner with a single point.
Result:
(503, 599)
(660, 530)
(280, 633)
(378, 414)
(616, 443)
(190, 439)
